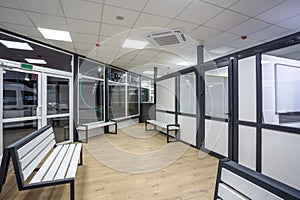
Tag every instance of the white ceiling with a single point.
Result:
(212, 23)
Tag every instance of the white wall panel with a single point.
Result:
(280, 156)
(165, 117)
(165, 94)
(216, 136)
(188, 129)
(247, 89)
(247, 146)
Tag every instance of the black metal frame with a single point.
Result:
(11, 152)
(271, 185)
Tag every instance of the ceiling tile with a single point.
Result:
(113, 30)
(44, 6)
(199, 12)
(187, 27)
(269, 32)
(108, 49)
(14, 16)
(146, 20)
(131, 4)
(48, 21)
(166, 8)
(110, 14)
(226, 20)
(223, 38)
(222, 3)
(254, 7)
(82, 10)
(279, 36)
(83, 52)
(203, 33)
(94, 1)
(86, 38)
(29, 31)
(84, 46)
(239, 43)
(64, 45)
(249, 26)
(283, 11)
(291, 23)
(10, 4)
(113, 41)
(81, 26)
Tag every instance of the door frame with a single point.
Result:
(231, 113)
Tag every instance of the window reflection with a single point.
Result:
(60, 127)
(116, 101)
(133, 100)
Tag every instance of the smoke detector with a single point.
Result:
(165, 38)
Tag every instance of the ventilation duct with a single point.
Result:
(170, 37)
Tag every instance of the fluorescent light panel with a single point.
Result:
(134, 44)
(16, 45)
(35, 61)
(184, 63)
(148, 72)
(55, 34)
(222, 49)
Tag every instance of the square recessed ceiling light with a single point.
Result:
(16, 45)
(222, 49)
(184, 63)
(134, 44)
(35, 61)
(55, 34)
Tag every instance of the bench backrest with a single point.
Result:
(29, 151)
(236, 182)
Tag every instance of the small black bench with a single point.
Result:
(27, 154)
(168, 127)
(236, 182)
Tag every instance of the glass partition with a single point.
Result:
(188, 93)
(281, 83)
(147, 90)
(133, 100)
(117, 101)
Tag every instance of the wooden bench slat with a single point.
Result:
(74, 162)
(30, 145)
(57, 162)
(32, 155)
(246, 187)
(45, 167)
(29, 169)
(62, 171)
(227, 193)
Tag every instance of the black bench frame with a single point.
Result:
(11, 152)
(280, 189)
(168, 130)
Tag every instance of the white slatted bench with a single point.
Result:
(236, 182)
(59, 166)
(168, 127)
(86, 127)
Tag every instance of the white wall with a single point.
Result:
(247, 146)
(216, 136)
(280, 156)
(188, 129)
(165, 94)
(247, 89)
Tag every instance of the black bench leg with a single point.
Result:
(145, 126)
(168, 140)
(116, 129)
(81, 158)
(72, 190)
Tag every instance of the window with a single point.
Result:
(117, 105)
(147, 90)
(10, 98)
(281, 82)
(133, 100)
(188, 93)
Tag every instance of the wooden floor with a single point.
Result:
(132, 165)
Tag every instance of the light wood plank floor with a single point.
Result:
(189, 175)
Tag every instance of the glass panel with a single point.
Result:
(20, 94)
(116, 101)
(147, 90)
(13, 131)
(57, 95)
(60, 127)
(91, 104)
(133, 79)
(216, 92)
(188, 93)
(116, 75)
(133, 100)
(281, 82)
(89, 68)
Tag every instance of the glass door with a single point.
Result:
(216, 119)
(21, 111)
(58, 97)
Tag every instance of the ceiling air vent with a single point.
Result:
(170, 37)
